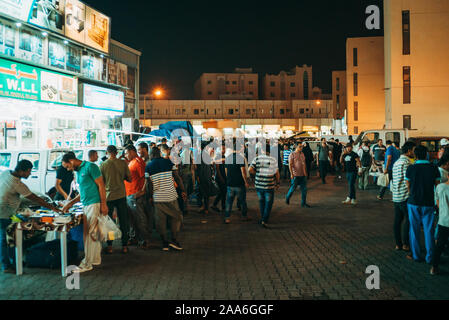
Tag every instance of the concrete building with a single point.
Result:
(285, 114)
(365, 84)
(292, 85)
(417, 65)
(339, 93)
(241, 84)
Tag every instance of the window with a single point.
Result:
(407, 85)
(32, 157)
(227, 92)
(407, 122)
(5, 161)
(356, 111)
(178, 112)
(338, 84)
(292, 84)
(338, 102)
(234, 82)
(371, 138)
(272, 94)
(406, 32)
(251, 93)
(356, 130)
(248, 111)
(354, 55)
(227, 82)
(209, 82)
(394, 136)
(301, 111)
(209, 93)
(292, 95)
(234, 92)
(272, 84)
(306, 85)
(196, 111)
(356, 84)
(431, 145)
(282, 111)
(142, 111)
(251, 82)
(231, 111)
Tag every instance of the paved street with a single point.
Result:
(318, 253)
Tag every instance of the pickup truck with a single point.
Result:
(399, 137)
(45, 164)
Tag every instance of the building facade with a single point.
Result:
(365, 81)
(416, 65)
(297, 84)
(339, 93)
(241, 84)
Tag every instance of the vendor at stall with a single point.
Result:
(11, 189)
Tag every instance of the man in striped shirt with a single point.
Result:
(400, 196)
(162, 173)
(286, 154)
(266, 170)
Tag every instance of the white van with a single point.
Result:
(45, 163)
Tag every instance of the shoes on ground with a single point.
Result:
(347, 201)
(175, 245)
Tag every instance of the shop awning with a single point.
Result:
(210, 124)
(227, 124)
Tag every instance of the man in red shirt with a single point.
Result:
(135, 193)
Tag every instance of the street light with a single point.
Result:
(158, 93)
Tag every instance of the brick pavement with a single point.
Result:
(317, 253)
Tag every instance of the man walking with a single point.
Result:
(351, 162)
(366, 160)
(11, 189)
(266, 170)
(163, 195)
(93, 197)
(400, 196)
(115, 172)
(135, 196)
(324, 158)
(298, 169)
(422, 177)
(286, 154)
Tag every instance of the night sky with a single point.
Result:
(182, 39)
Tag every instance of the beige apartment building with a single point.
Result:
(339, 97)
(242, 84)
(417, 65)
(296, 84)
(287, 114)
(365, 81)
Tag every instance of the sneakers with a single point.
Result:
(347, 201)
(175, 245)
(353, 202)
(265, 225)
(434, 271)
(165, 246)
(82, 269)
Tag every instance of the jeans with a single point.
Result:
(443, 235)
(384, 189)
(324, 166)
(6, 253)
(364, 179)
(167, 213)
(401, 215)
(286, 172)
(221, 196)
(266, 200)
(352, 178)
(139, 218)
(123, 218)
(240, 193)
(421, 215)
(302, 183)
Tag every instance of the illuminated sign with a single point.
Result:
(103, 99)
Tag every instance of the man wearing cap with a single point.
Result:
(444, 143)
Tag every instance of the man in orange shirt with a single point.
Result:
(135, 193)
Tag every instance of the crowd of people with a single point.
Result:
(153, 187)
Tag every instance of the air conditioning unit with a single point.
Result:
(131, 125)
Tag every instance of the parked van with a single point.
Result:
(45, 163)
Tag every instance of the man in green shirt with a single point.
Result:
(93, 197)
(115, 172)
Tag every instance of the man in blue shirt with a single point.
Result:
(422, 177)
(391, 156)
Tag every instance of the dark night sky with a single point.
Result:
(182, 39)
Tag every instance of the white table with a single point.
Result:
(19, 250)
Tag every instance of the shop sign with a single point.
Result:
(100, 98)
(22, 81)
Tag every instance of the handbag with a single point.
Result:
(108, 229)
(383, 180)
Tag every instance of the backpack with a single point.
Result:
(366, 159)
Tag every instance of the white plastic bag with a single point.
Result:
(108, 229)
(383, 180)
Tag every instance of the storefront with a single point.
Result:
(41, 108)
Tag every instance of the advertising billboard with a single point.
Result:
(16, 9)
(75, 20)
(22, 81)
(103, 99)
(48, 14)
(97, 30)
